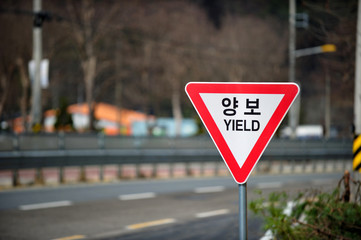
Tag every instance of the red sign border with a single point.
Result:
(194, 89)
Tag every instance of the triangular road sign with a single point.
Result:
(241, 118)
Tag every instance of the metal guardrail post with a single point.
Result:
(39, 176)
(101, 140)
(269, 165)
(202, 167)
(101, 145)
(216, 168)
(61, 174)
(137, 170)
(292, 165)
(304, 162)
(61, 140)
(188, 169)
(15, 140)
(82, 174)
(15, 180)
(172, 169)
(119, 174)
(154, 166)
(101, 172)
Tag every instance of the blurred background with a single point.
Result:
(98, 139)
(128, 61)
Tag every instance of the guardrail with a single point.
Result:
(22, 151)
(65, 150)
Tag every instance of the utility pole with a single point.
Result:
(36, 112)
(357, 104)
(295, 109)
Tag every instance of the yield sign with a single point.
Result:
(241, 118)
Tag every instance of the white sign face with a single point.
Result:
(241, 118)
(44, 72)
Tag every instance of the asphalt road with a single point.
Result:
(195, 208)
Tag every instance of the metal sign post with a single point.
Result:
(242, 211)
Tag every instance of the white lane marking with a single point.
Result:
(151, 223)
(212, 213)
(137, 196)
(209, 189)
(45, 205)
(269, 185)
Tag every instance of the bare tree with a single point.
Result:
(172, 31)
(190, 49)
(15, 52)
(87, 29)
(25, 84)
(5, 85)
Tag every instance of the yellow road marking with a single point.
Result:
(151, 223)
(74, 237)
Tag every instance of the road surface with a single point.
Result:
(192, 208)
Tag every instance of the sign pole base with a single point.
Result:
(243, 211)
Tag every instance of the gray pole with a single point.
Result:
(37, 52)
(294, 111)
(357, 103)
(243, 211)
(327, 103)
(356, 165)
(118, 84)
